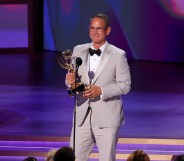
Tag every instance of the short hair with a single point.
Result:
(103, 17)
(178, 158)
(138, 155)
(64, 154)
(30, 159)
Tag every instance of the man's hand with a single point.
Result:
(92, 92)
(70, 77)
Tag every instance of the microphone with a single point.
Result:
(78, 61)
(75, 63)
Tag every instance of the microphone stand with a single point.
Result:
(75, 104)
(78, 62)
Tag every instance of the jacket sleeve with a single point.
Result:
(122, 83)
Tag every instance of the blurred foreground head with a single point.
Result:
(138, 155)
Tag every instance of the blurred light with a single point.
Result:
(174, 7)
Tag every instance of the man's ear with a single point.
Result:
(108, 30)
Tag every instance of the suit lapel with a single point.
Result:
(85, 66)
(103, 61)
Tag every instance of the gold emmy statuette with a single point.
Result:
(68, 62)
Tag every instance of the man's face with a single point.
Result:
(97, 31)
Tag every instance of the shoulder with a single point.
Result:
(115, 50)
(82, 46)
(80, 50)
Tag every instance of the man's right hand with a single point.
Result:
(70, 77)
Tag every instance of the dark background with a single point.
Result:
(146, 29)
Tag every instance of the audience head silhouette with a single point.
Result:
(30, 159)
(64, 154)
(50, 155)
(138, 155)
(178, 158)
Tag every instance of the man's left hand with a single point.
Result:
(92, 92)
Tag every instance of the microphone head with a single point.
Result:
(78, 61)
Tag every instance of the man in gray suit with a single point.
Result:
(99, 111)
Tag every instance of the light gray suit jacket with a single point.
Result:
(113, 76)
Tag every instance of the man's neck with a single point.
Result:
(97, 46)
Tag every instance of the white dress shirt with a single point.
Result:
(94, 61)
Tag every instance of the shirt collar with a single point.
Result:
(101, 48)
